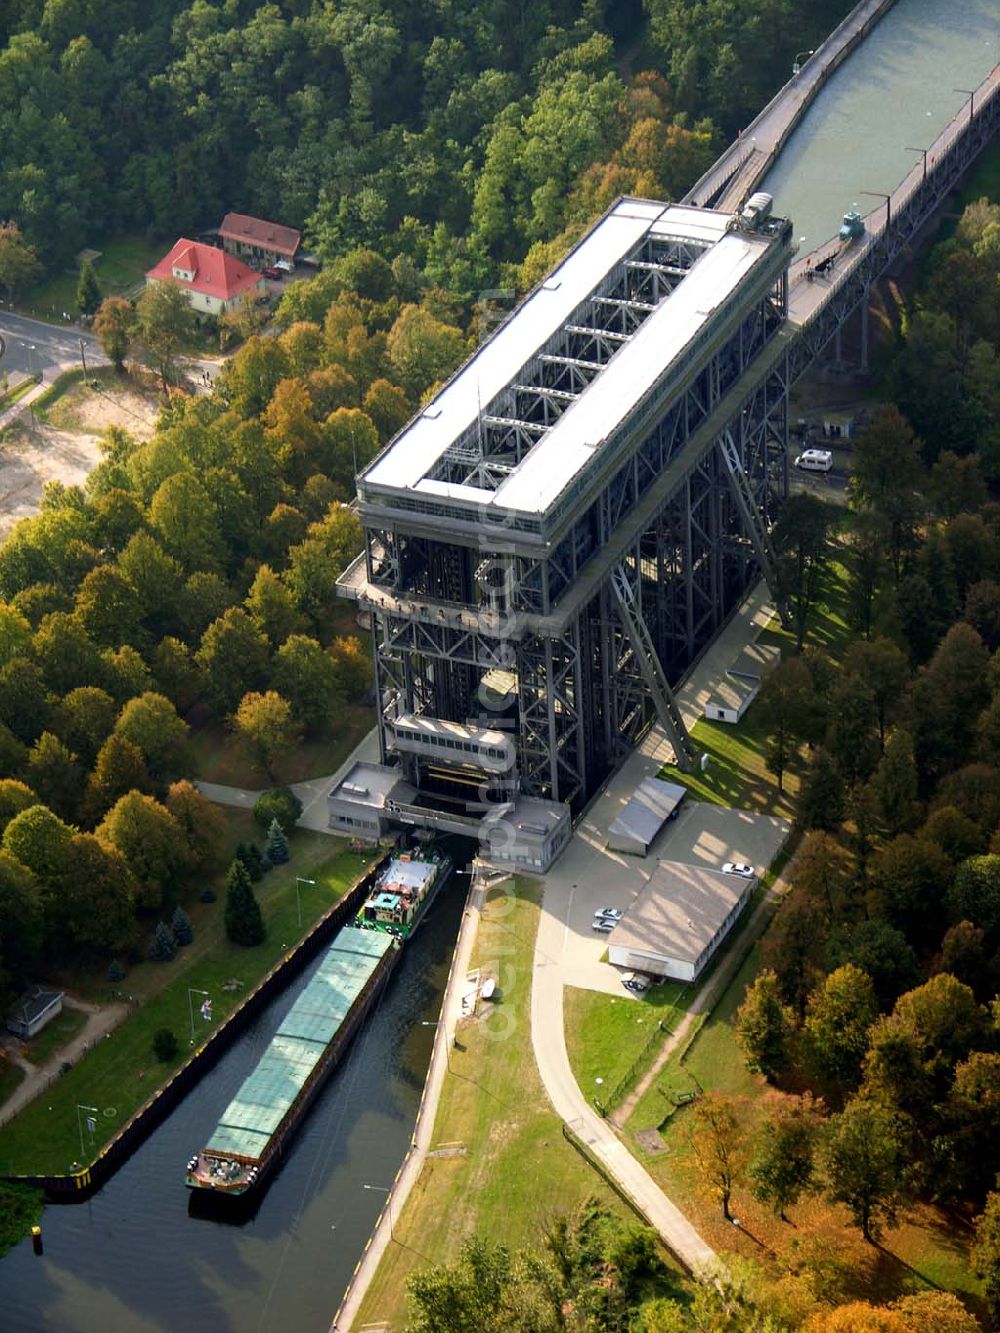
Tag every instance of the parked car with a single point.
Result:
(603, 924)
(609, 914)
(285, 265)
(264, 299)
(738, 868)
(636, 982)
(272, 272)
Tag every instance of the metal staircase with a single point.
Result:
(753, 522)
(652, 672)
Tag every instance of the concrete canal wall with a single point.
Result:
(77, 1185)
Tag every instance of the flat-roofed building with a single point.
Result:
(581, 506)
(738, 688)
(649, 807)
(360, 804)
(678, 921)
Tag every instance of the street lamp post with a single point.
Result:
(91, 1111)
(388, 1203)
(970, 93)
(922, 151)
(797, 62)
(192, 990)
(298, 897)
(881, 194)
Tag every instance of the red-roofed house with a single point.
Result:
(212, 280)
(258, 241)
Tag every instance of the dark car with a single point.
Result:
(271, 272)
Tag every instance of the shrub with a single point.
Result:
(164, 1045)
(115, 972)
(279, 803)
(208, 895)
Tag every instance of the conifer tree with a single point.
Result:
(277, 844)
(181, 926)
(244, 924)
(88, 293)
(163, 946)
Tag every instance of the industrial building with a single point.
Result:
(678, 921)
(577, 512)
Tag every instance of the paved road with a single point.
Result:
(548, 1040)
(31, 345)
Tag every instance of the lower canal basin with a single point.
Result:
(145, 1255)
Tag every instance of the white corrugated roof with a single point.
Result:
(497, 362)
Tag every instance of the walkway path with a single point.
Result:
(312, 793)
(409, 1172)
(101, 1019)
(548, 1040)
(586, 862)
(764, 136)
(705, 1000)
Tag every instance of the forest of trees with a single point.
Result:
(877, 1001)
(454, 135)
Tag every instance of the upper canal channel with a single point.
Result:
(144, 1255)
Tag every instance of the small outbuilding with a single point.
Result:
(649, 807)
(33, 1009)
(679, 920)
(738, 688)
(359, 804)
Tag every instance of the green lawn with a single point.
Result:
(517, 1168)
(737, 775)
(924, 1250)
(55, 1035)
(220, 757)
(121, 268)
(121, 1072)
(606, 1034)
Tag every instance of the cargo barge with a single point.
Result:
(403, 892)
(259, 1122)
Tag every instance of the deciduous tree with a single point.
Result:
(114, 325)
(764, 1026)
(151, 842)
(19, 264)
(164, 322)
(265, 724)
(838, 1016)
(783, 1164)
(719, 1146)
(863, 1162)
(150, 721)
(234, 657)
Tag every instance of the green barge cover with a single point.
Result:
(305, 1032)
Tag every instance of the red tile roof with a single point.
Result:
(215, 272)
(266, 235)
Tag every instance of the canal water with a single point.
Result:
(896, 92)
(139, 1257)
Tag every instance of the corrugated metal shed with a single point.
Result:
(305, 1032)
(651, 804)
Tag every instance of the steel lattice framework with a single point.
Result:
(592, 606)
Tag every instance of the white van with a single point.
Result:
(815, 460)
